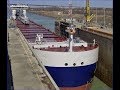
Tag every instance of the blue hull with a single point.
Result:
(72, 76)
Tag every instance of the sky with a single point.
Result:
(81, 3)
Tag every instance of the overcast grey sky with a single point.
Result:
(93, 3)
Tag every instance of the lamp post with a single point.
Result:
(96, 15)
(104, 17)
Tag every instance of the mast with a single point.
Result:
(70, 29)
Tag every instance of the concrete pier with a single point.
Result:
(27, 74)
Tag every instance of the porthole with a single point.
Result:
(82, 63)
(52, 45)
(66, 64)
(74, 64)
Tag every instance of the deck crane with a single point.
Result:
(87, 14)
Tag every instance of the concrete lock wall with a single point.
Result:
(105, 63)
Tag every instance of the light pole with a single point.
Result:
(104, 17)
(96, 15)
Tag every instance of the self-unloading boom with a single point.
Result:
(87, 14)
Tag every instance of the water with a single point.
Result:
(47, 22)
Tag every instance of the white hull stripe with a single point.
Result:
(67, 59)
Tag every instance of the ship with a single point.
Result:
(71, 62)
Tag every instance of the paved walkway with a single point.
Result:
(27, 75)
